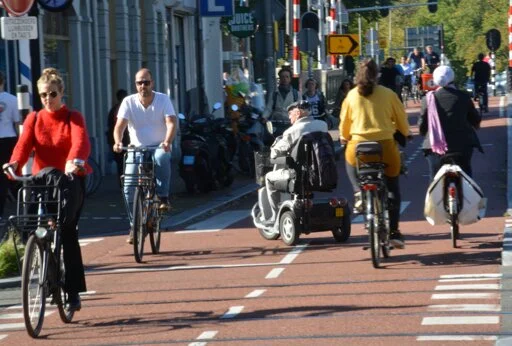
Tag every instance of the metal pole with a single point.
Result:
(289, 25)
(389, 34)
(199, 61)
(321, 47)
(359, 25)
(492, 62)
(270, 74)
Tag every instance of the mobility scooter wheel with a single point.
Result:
(288, 228)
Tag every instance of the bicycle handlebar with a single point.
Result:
(9, 170)
(142, 148)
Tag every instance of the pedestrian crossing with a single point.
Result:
(11, 318)
(453, 313)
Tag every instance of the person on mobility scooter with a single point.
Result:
(304, 162)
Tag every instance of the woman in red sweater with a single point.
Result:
(58, 136)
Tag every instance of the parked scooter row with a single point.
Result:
(205, 163)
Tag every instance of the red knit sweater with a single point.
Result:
(56, 138)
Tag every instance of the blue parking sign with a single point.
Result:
(217, 8)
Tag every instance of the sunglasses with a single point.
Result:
(145, 82)
(52, 94)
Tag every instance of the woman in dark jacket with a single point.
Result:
(458, 118)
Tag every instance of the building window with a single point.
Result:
(56, 48)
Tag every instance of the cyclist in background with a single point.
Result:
(407, 72)
(151, 121)
(481, 74)
(58, 136)
(431, 59)
(372, 112)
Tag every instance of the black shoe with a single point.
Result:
(396, 239)
(74, 303)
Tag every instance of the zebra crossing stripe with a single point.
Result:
(87, 241)
(451, 320)
(457, 338)
(482, 275)
(468, 287)
(12, 326)
(465, 307)
(3, 336)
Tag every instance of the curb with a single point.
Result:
(506, 253)
(10, 282)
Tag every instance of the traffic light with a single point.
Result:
(309, 20)
(432, 6)
(384, 12)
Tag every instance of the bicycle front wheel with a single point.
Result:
(60, 296)
(154, 232)
(33, 287)
(139, 224)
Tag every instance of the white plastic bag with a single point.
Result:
(473, 206)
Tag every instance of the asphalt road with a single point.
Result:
(217, 281)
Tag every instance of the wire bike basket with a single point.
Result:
(262, 165)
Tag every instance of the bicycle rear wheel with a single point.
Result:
(139, 225)
(93, 180)
(373, 230)
(61, 297)
(33, 287)
(154, 232)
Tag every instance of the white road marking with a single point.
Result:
(467, 279)
(232, 312)
(459, 276)
(20, 315)
(217, 223)
(465, 296)
(360, 218)
(3, 336)
(212, 266)
(255, 293)
(12, 326)
(502, 106)
(457, 338)
(87, 241)
(468, 287)
(88, 293)
(465, 307)
(208, 335)
(447, 320)
(290, 257)
(274, 273)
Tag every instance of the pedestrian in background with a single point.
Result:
(58, 137)
(112, 119)
(345, 86)
(284, 96)
(9, 121)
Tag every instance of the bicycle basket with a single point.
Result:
(262, 166)
(29, 214)
(143, 168)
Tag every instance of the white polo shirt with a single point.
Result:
(146, 126)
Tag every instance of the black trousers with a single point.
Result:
(394, 196)
(75, 273)
(6, 147)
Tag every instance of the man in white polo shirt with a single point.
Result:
(151, 121)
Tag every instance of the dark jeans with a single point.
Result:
(395, 198)
(464, 161)
(6, 147)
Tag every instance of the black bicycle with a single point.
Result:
(43, 272)
(146, 216)
(374, 195)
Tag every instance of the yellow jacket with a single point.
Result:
(372, 118)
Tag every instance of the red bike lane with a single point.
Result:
(231, 286)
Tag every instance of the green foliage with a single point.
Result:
(8, 266)
(465, 23)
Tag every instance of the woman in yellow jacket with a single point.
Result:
(372, 112)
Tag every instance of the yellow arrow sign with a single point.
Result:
(343, 44)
